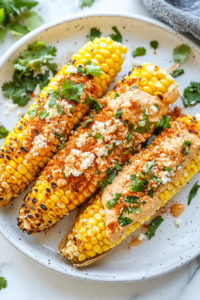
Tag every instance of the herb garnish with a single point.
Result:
(12, 15)
(32, 112)
(177, 72)
(3, 283)
(193, 192)
(113, 202)
(72, 90)
(156, 106)
(90, 69)
(95, 104)
(83, 3)
(116, 95)
(192, 94)
(124, 221)
(88, 121)
(118, 114)
(140, 51)
(130, 134)
(117, 37)
(24, 80)
(163, 123)
(154, 44)
(94, 33)
(153, 226)
(3, 132)
(43, 114)
(134, 86)
(181, 52)
(186, 147)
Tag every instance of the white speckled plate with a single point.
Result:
(171, 247)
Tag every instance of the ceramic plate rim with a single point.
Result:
(24, 40)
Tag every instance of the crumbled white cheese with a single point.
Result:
(101, 151)
(135, 63)
(163, 71)
(71, 69)
(38, 143)
(142, 222)
(142, 237)
(10, 105)
(102, 45)
(165, 178)
(178, 222)
(81, 139)
(158, 84)
(198, 117)
(179, 167)
(76, 167)
(52, 111)
(192, 103)
(153, 109)
(150, 68)
(19, 113)
(64, 104)
(37, 90)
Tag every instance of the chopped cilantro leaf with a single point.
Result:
(154, 44)
(140, 130)
(181, 52)
(142, 123)
(163, 123)
(192, 94)
(61, 146)
(135, 87)
(186, 147)
(113, 202)
(168, 169)
(154, 225)
(137, 185)
(118, 114)
(116, 95)
(110, 151)
(97, 106)
(32, 112)
(3, 132)
(117, 37)
(43, 114)
(117, 143)
(140, 51)
(130, 134)
(94, 33)
(3, 283)
(64, 176)
(84, 3)
(88, 121)
(131, 199)
(91, 69)
(146, 118)
(124, 221)
(72, 90)
(118, 167)
(97, 136)
(126, 152)
(193, 192)
(177, 72)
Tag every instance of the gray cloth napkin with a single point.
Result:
(183, 15)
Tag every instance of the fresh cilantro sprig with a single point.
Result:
(181, 52)
(94, 33)
(72, 90)
(192, 94)
(193, 192)
(118, 114)
(140, 51)
(163, 123)
(124, 221)
(28, 73)
(117, 37)
(177, 72)
(186, 147)
(153, 226)
(84, 3)
(154, 44)
(3, 132)
(90, 69)
(88, 121)
(94, 103)
(113, 202)
(3, 283)
(13, 15)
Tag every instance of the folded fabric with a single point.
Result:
(182, 15)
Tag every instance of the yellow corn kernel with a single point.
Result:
(91, 253)
(81, 257)
(97, 249)
(10, 170)
(13, 164)
(148, 90)
(105, 248)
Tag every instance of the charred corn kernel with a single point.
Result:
(100, 240)
(98, 52)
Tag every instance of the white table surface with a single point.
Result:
(28, 280)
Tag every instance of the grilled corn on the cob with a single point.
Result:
(104, 141)
(48, 122)
(171, 160)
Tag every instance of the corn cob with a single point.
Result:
(87, 240)
(72, 176)
(33, 141)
